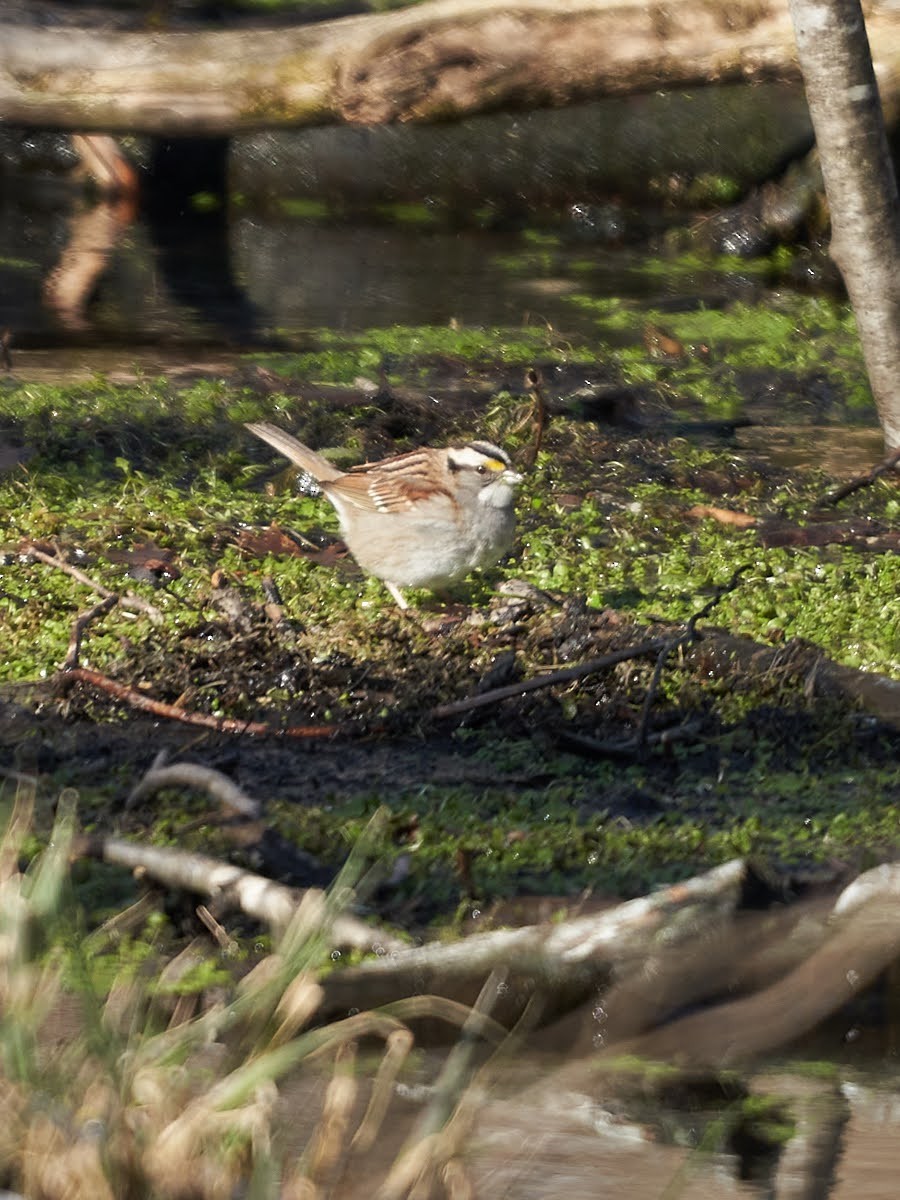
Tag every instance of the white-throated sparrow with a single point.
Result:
(422, 519)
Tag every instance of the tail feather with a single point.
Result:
(307, 460)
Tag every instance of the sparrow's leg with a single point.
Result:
(397, 594)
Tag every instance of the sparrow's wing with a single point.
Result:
(395, 484)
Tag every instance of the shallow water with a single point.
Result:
(170, 297)
(531, 1137)
(231, 278)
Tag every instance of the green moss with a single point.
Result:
(602, 525)
(794, 335)
(343, 358)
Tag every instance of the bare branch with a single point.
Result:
(128, 600)
(228, 885)
(568, 959)
(566, 675)
(174, 712)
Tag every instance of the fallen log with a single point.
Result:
(559, 963)
(860, 940)
(437, 60)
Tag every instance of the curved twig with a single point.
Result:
(80, 624)
(193, 775)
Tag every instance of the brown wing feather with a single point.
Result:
(395, 484)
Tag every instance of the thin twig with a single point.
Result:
(540, 415)
(640, 736)
(860, 481)
(174, 712)
(590, 667)
(80, 625)
(125, 600)
(714, 599)
(684, 638)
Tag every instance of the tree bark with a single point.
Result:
(859, 182)
(440, 59)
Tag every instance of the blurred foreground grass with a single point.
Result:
(135, 1083)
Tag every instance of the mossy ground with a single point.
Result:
(496, 801)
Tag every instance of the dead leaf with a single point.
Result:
(257, 543)
(147, 562)
(725, 516)
(662, 345)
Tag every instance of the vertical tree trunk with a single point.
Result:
(859, 180)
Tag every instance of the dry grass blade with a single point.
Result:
(436, 1139)
(17, 829)
(328, 1142)
(122, 1108)
(397, 1049)
(299, 1001)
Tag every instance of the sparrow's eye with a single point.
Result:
(481, 469)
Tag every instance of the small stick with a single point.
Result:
(540, 415)
(193, 775)
(159, 708)
(860, 481)
(590, 667)
(218, 932)
(687, 635)
(640, 737)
